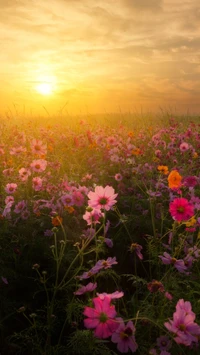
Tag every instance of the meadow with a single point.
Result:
(99, 235)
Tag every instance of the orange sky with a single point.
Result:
(100, 55)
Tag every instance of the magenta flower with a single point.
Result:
(102, 197)
(88, 288)
(101, 318)
(181, 209)
(124, 337)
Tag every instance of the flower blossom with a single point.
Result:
(181, 209)
(102, 198)
(101, 317)
(124, 336)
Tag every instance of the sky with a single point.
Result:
(95, 56)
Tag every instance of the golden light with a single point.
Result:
(44, 88)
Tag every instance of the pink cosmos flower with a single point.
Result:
(181, 209)
(184, 146)
(118, 177)
(11, 188)
(93, 217)
(19, 207)
(38, 165)
(102, 198)
(178, 263)
(164, 343)
(124, 337)
(17, 150)
(78, 198)
(101, 317)
(88, 288)
(38, 147)
(183, 326)
(24, 174)
(37, 183)
(67, 200)
(113, 296)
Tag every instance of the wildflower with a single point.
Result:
(93, 217)
(88, 288)
(11, 188)
(17, 150)
(48, 233)
(181, 209)
(124, 336)
(78, 198)
(24, 174)
(163, 169)
(67, 200)
(113, 296)
(56, 221)
(118, 177)
(102, 198)
(20, 206)
(4, 279)
(37, 183)
(163, 342)
(25, 214)
(101, 317)
(184, 146)
(174, 179)
(190, 181)
(186, 331)
(135, 247)
(39, 165)
(38, 147)
(168, 296)
(105, 264)
(155, 286)
(178, 263)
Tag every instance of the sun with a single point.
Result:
(44, 88)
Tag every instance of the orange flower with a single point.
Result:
(163, 169)
(69, 209)
(130, 134)
(56, 221)
(174, 179)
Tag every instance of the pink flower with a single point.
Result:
(93, 217)
(37, 183)
(24, 174)
(38, 147)
(88, 288)
(178, 263)
(11, 188)
(124, 337)
(19, 207)
(181, 209)
(101, 317)
(102, 198)
(184, 146)
(113, 296)
(78, 198)
(17, 150)
(118, 177)
(67, 200)
(38, 165)
(184, 327)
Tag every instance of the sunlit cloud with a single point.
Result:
(101, 53)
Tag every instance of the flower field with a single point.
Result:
(99, 236)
